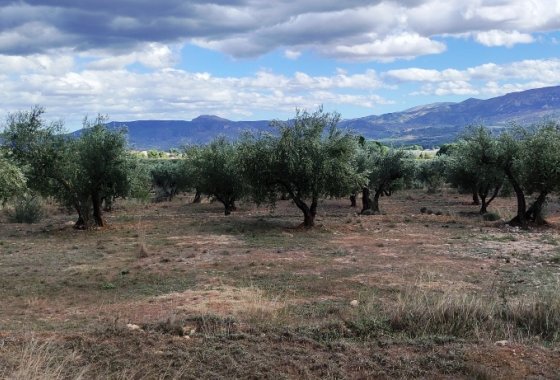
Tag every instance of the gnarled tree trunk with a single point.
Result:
(366, 200)
(97, 213)
(475, 200)
(375, 203)
(83, 209)
(520, 219)
(197, 197)
(229, 204)
(535, 211)
(309, 212)
(353, 200)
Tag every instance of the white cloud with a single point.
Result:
(349, 30)
(177, 94)
(414, 74)
(404, 46)
(489, 79)
(292, 54)
(152, 55)
(501, 38)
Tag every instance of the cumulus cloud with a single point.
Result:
(405, 46)
(349, 30)
(488, 79)
(292, 54)
(170, 93)
(500, 38)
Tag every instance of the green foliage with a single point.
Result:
(386, 170)
(431, 173)
(79, 173)
(168, 178)
(214, 170)
(155, 154)
(446, 149)
(529, 157)
(412, 147)
(140, 179)
(308, 160)
(12, 180)
(491, 216)
(27, 209)
(104, 161)
(474, 165)
(539, 159)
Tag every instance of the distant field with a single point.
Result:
(177, 290)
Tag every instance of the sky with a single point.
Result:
(262, 59)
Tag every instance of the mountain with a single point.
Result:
(427, 125)
(437, 123)
(167, 134)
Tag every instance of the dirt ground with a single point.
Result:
(178, 290)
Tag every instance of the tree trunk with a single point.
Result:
(475, 200)
(375, 204)
(483, 207)
(535, 212)
(485, 204)
(519, 219)
(353, 200)
(84, 215)
(196, 197)
(366, 200)
(229, 204)
(227, 209)
(309, 213)
(309, 217)
(482, 194)
(108, 204)
(97, 213)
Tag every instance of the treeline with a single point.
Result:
(307, 159)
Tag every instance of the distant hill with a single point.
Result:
(437, 123)
(427, 125)
(167, 134)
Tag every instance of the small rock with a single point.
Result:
(354, 303)
(502, 343)
(132, 326)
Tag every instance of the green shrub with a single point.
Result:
(491, 217)
(27, 209)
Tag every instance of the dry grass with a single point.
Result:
(44, 361)
(420, 313)
(249, 296)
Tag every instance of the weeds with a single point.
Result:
(474, 316)
(43, 361)
(27, 209)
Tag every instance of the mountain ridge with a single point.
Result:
(427, 125)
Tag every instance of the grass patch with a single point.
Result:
(419, 313)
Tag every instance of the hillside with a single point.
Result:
(428, 125)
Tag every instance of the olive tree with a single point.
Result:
(308, 159)
(78, 172)
(215, 171)
(168, 178)
(384, 167)
(431, 172)
(530, 159)
(474, 165)
(12, 180)
(104, 165)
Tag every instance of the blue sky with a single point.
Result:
(257, 59)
